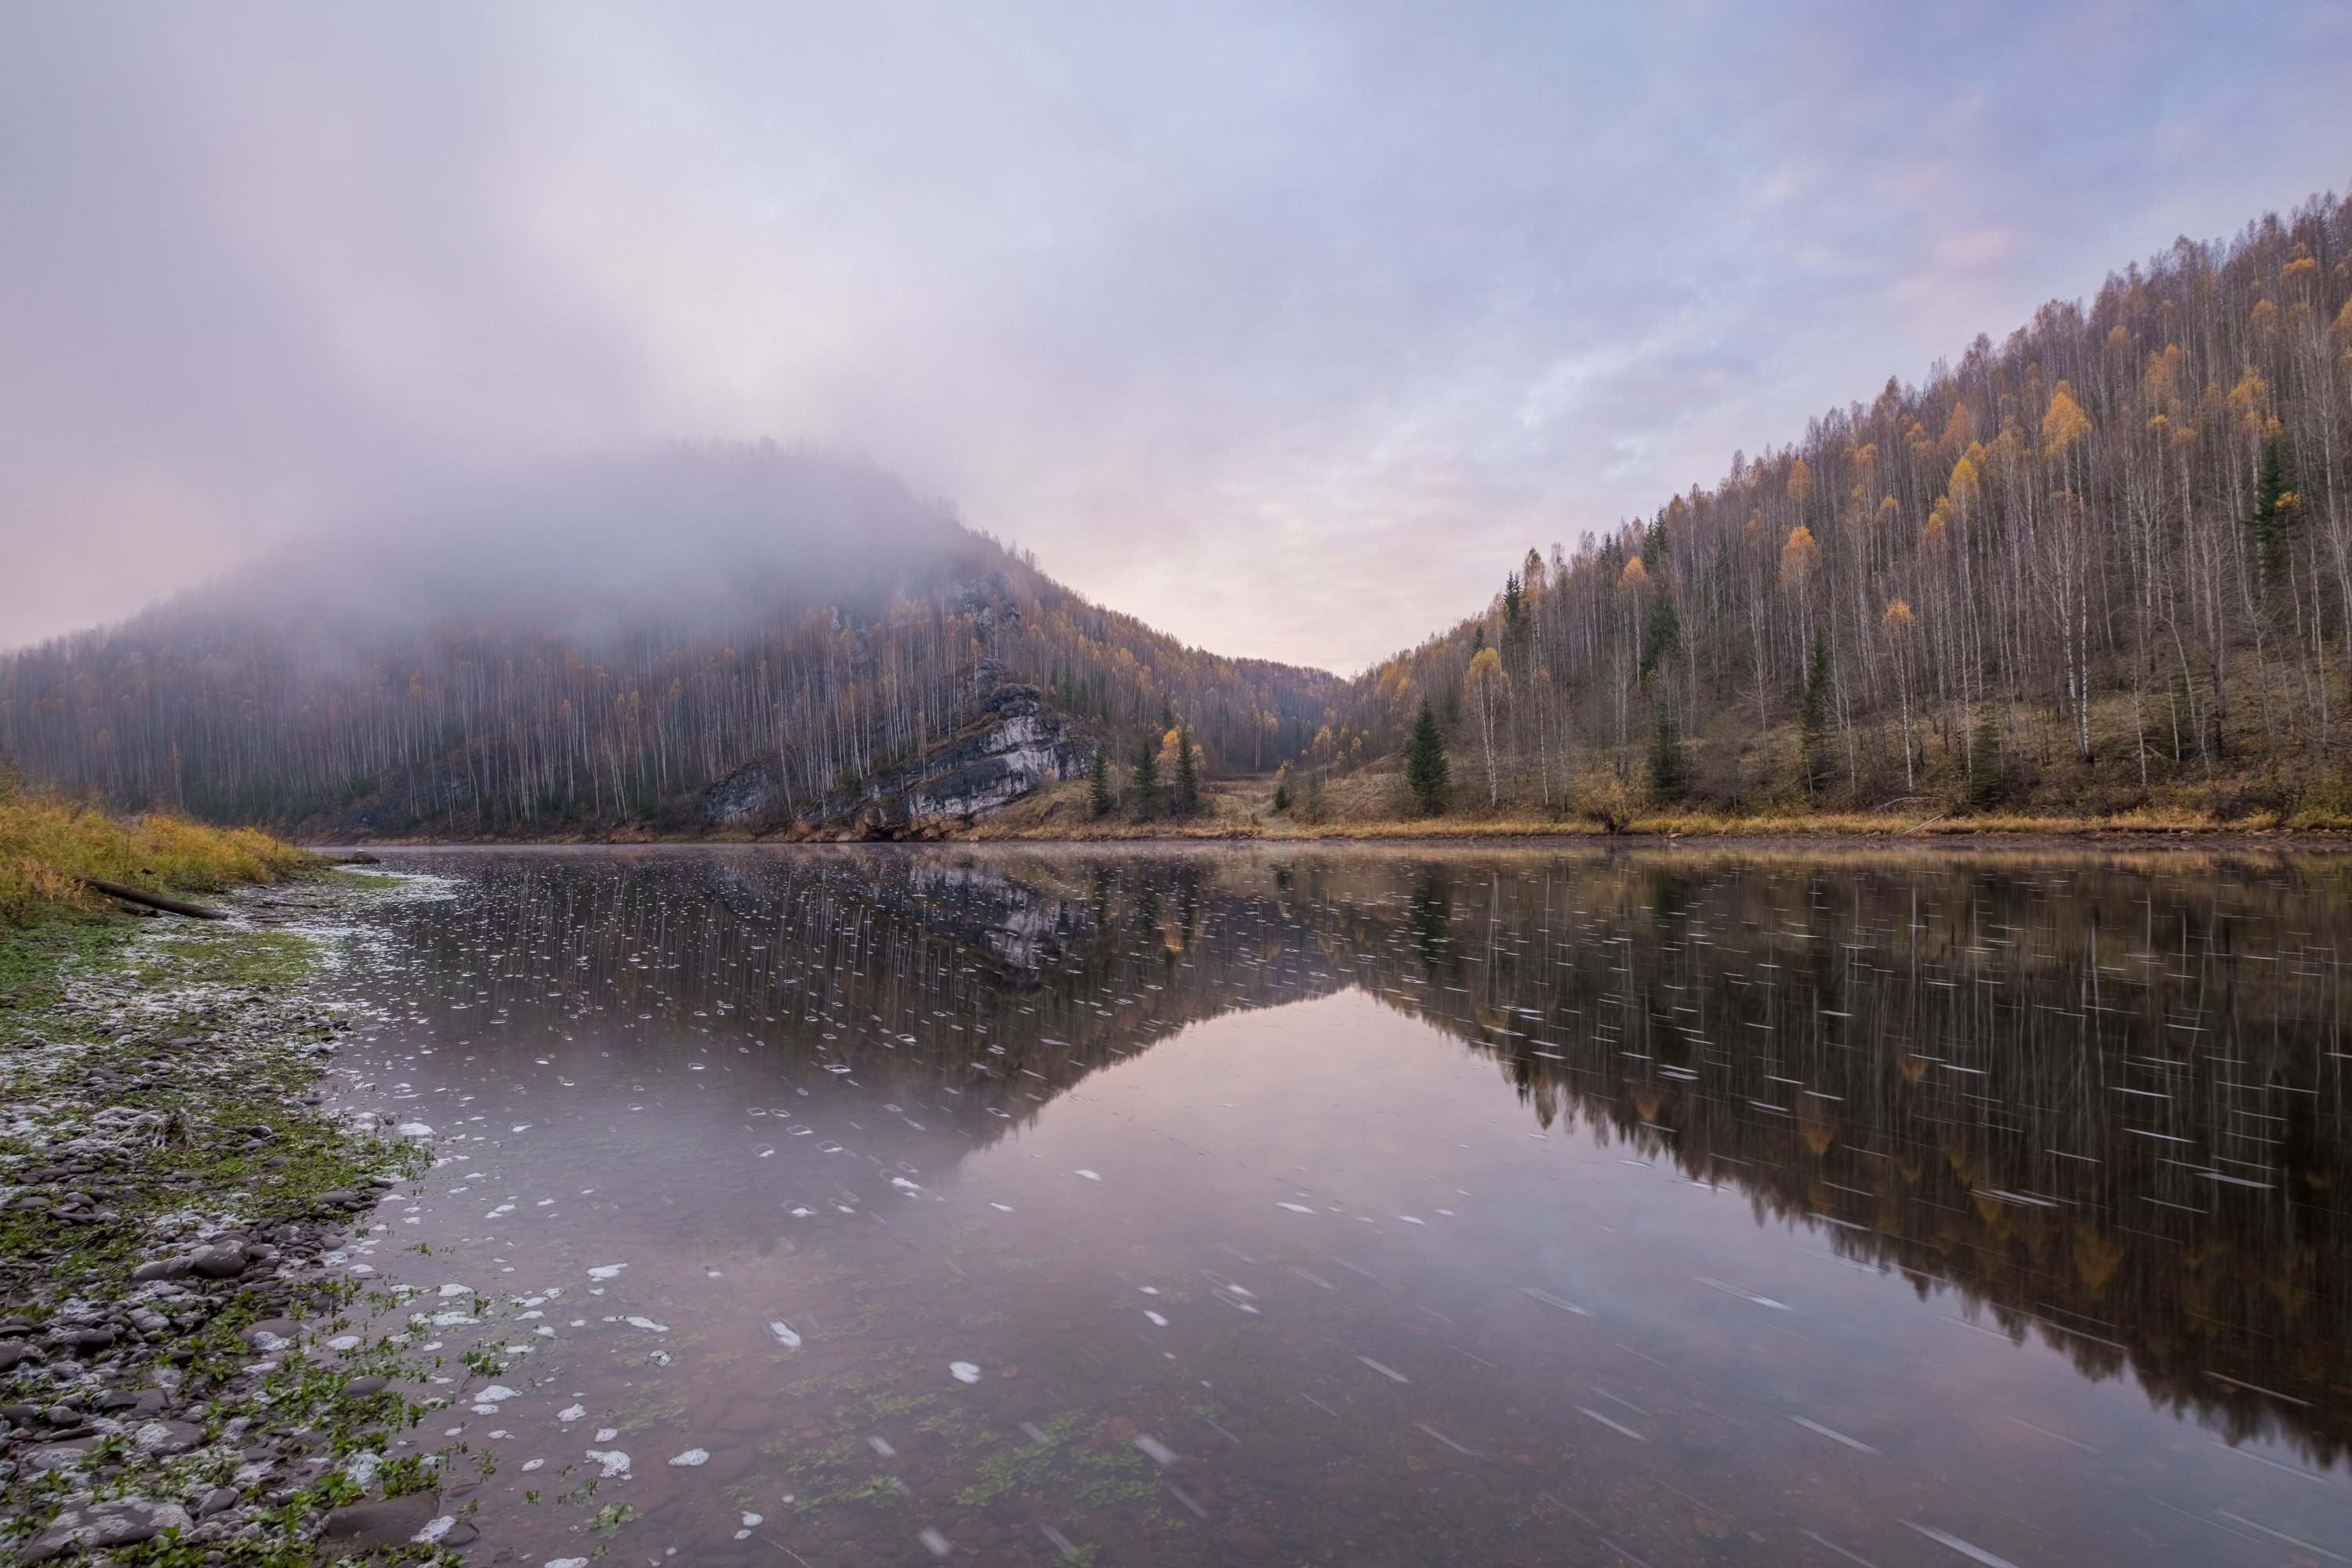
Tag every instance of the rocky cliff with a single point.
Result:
(1009, 745)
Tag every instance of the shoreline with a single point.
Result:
(188, 1375)
(2084, 836)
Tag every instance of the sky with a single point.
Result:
(1289, 328)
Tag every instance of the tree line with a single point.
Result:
(520, 720)
(2106, 561)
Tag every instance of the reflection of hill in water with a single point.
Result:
(2103, 1099)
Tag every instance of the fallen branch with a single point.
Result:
(151, 900)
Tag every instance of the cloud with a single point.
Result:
(1289, 330)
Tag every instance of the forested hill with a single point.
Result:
(595, 648)
(2108, 560)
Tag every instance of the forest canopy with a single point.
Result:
(2110, 555)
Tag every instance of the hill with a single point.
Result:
(2104, 564)
(2101, 567)
(734, 637)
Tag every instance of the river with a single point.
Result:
(1376, 1205)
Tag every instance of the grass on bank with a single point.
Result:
(48, 842)
(1373, 805)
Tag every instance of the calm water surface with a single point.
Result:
(1379, 1206)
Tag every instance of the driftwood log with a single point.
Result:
(153, 901)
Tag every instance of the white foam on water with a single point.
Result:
(690, 1459)
(964, 1371)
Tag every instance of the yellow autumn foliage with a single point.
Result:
(1798, 556)
(48, 842)
(2065, 424)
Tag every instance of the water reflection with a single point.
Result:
(1369, 1301)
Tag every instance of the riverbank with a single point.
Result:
(183, 1232)
(1241, 811)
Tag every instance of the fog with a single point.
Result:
(1288, 332)
(589, 549)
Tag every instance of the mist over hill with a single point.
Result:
(2104, 564)
(594, 645)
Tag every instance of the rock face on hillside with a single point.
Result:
(1009, 745)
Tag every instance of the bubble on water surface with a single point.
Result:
(964, 1371)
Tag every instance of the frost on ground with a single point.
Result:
(183, 1226)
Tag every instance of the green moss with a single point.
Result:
(1077, 1458)
(225, 956)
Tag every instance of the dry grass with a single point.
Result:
(1370, 807)
(48, 842)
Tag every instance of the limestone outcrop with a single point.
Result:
(1010, 744)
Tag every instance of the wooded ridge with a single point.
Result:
(2106, 562)
(2103, 566)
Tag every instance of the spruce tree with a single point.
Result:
(1425, 760)
(1813, 716)
(1098, 785)
(1986, 774)
(1661, 635)
(1669, 768)
(2272, 522)
(1188, 773)
(1147, 779)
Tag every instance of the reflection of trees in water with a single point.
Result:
(2102, 1099)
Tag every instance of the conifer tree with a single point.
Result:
(1098, 785)
(1188, 773)
(2272, 522)
(1813, 717)
(1669, 768)
(1986, 774)
(1147, 779)
(1661, 633)
(1425, 760)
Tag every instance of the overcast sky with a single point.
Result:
(1288, 328)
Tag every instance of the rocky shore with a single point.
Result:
(186, 1371)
